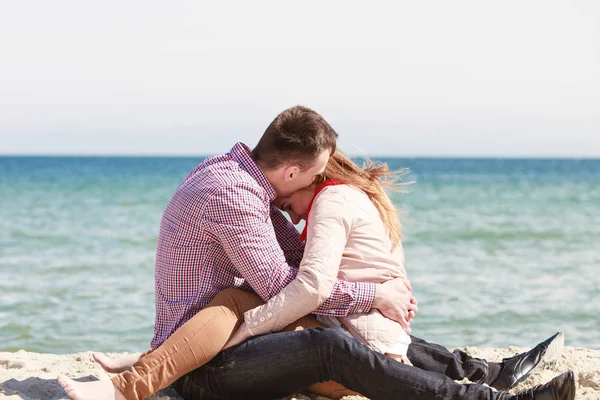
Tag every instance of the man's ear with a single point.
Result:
(290, 173)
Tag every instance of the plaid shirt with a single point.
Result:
(220, 230)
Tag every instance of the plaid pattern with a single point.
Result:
(220, 230)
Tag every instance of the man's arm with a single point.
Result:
(241, 223)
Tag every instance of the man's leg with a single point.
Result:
(330, 389)
(275, 365)
(504, 375)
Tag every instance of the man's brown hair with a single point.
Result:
(298, 136)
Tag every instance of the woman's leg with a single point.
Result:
(191, 346)
(503, 375)
(456, 365)
(120, 364)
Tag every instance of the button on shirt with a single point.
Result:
(220, 230)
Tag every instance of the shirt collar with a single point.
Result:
(241, 153)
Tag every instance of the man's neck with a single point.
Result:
(271, 176)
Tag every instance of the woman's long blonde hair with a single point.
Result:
(372, 179)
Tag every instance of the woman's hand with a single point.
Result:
(412, 312)
(413, 301)
(240, 336)
(394, 300)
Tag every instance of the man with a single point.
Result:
(220, 231)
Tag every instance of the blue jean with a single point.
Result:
(457, 365)
(279, 364)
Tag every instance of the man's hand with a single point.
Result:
(240, 336)
(394, 300)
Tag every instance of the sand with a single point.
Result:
(29, 376)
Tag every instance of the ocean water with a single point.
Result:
(499, 251)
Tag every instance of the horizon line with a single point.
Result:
(158, 155)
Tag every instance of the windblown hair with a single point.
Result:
(372, 179)
(298, 136)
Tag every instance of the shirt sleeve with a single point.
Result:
(242, 224)
(288, 238)
(316, 284)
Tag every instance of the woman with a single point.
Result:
(352, 232)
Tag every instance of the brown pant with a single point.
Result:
(197, 342)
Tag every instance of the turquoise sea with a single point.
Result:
(499, 251)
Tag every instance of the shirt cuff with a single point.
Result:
(364, 295)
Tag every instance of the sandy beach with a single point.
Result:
(32, 376)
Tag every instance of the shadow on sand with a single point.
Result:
(49, 389)
(38, 388)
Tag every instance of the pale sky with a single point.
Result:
(407, 78)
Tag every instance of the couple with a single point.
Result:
(225, 249)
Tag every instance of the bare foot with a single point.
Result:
(96, 390)
(116, 365)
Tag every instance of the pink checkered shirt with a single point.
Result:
(219, 231)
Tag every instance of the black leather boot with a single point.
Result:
(560, 388)
(516, 369)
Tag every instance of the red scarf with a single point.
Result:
(328, 182)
